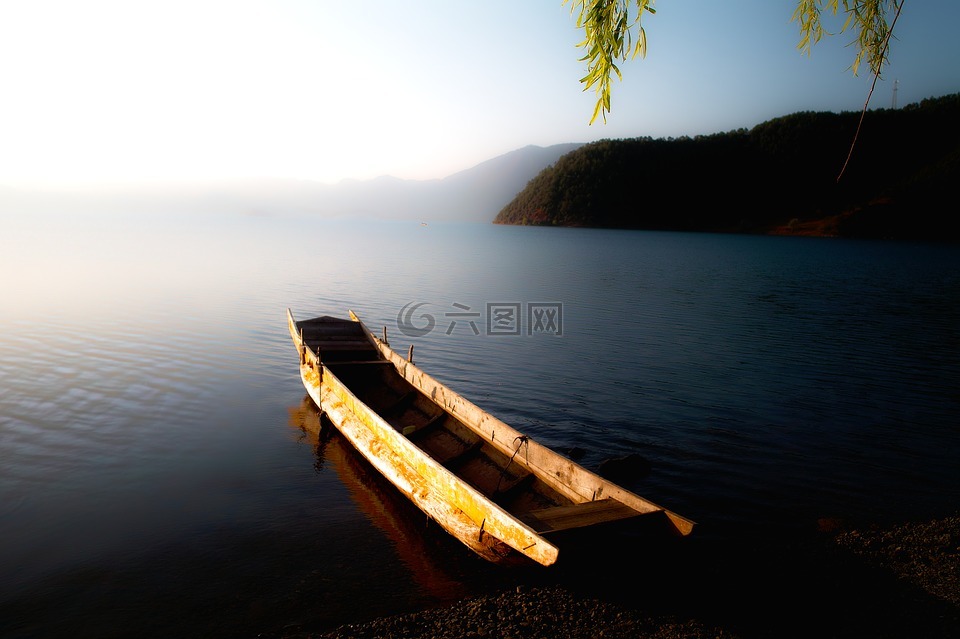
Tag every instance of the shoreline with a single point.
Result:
(897, 582)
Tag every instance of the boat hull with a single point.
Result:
(494, 489)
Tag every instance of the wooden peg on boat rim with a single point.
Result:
(410, 354)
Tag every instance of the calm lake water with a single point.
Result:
(157, 480)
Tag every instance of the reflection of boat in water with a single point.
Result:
(494, 489)
(402, 523)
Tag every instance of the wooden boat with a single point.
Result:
(494, 489)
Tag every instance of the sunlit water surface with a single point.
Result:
(155, 473)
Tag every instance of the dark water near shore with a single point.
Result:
(156, 479)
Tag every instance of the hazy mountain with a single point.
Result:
(475, 194)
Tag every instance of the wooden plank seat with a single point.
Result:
(411, 430)
(507, 487)
(339, 345)
(400, 405)
(455, 458)
(589, 513)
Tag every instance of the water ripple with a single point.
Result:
(767, 381)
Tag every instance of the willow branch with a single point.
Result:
(873, 85)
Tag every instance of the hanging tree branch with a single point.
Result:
(876, 76)
(609, 26)
(608, 37)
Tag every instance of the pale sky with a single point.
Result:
(115, 91)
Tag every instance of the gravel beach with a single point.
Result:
(898, 582)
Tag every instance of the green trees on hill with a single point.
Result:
(757, 179)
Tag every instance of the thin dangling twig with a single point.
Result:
(876, 76)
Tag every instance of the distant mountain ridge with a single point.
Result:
(474, 195)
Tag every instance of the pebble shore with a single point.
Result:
(526, 613)
(898, 583)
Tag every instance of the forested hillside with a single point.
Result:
(779, 177)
